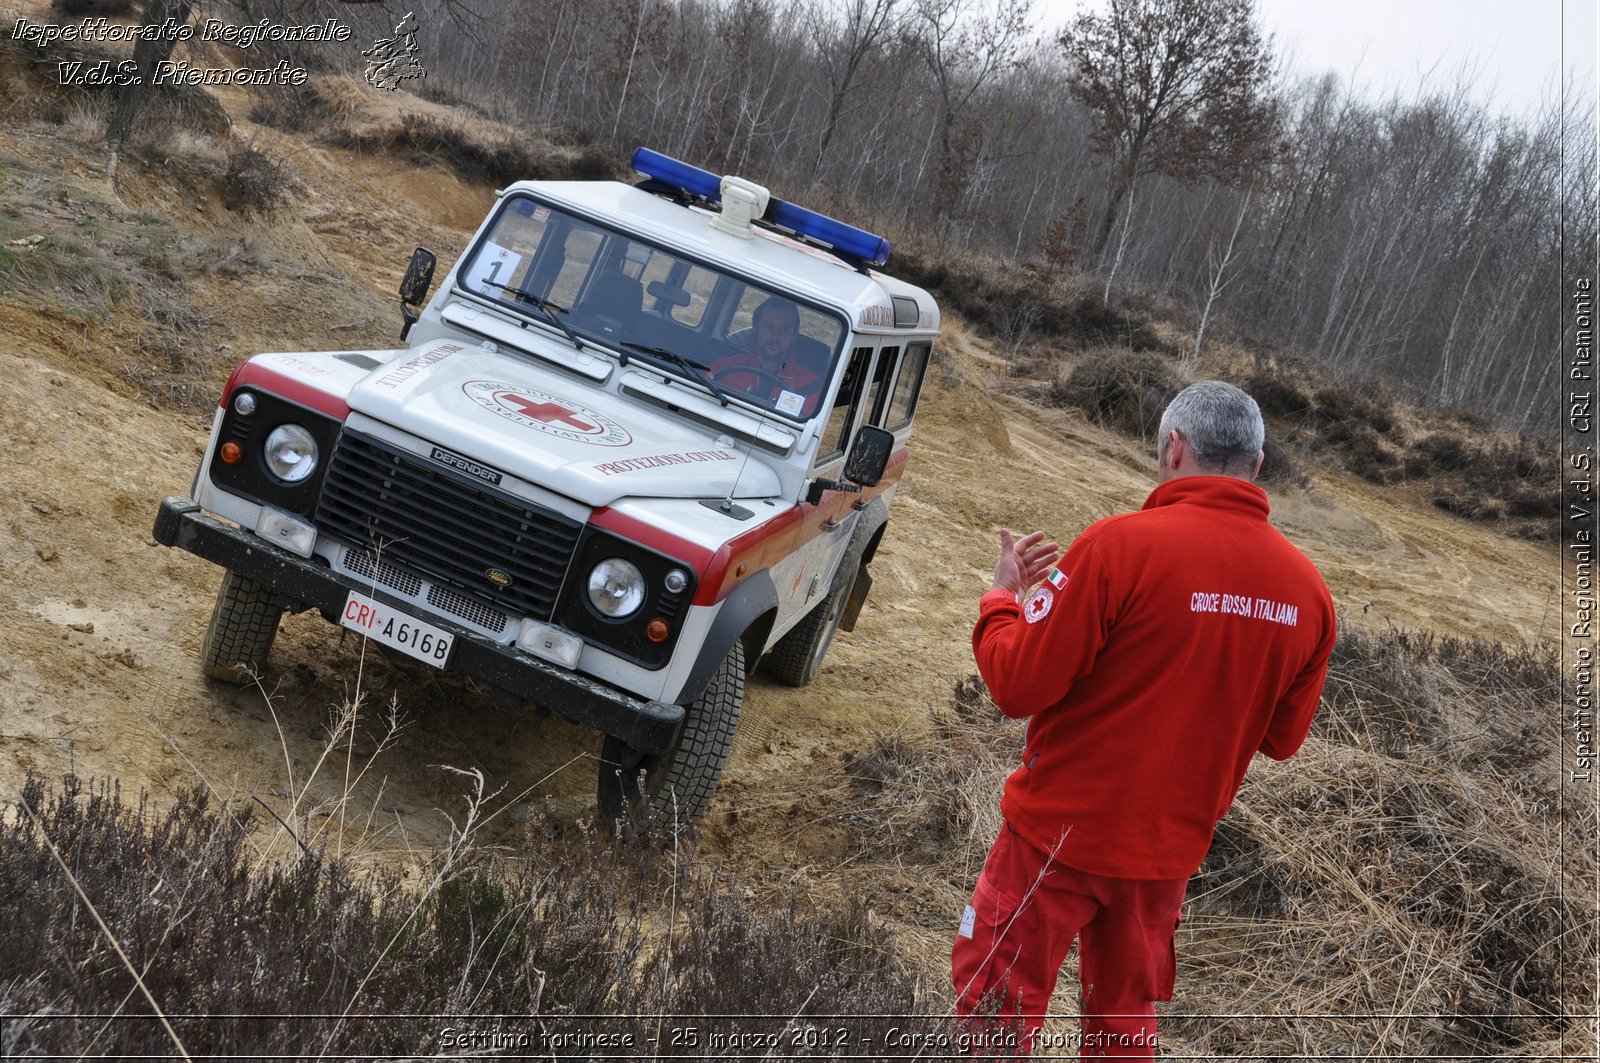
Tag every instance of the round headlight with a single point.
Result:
(616, 587)
(291, 453)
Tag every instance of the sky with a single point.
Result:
(1512, 48)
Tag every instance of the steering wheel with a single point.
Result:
(758, 371)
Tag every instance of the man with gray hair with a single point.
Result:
(1161, 652)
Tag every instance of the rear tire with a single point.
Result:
(243, 625)
(680, 780)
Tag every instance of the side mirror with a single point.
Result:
(414, 286)
(419, 277)
(869, 455)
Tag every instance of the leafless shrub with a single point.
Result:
(254, 181)
(271, 958)
(481, 152)
(1281, 387)
(1480, 472)
(179, 109)
(1122, 389)
(323, 105)
(988, 294)
(1278, 468)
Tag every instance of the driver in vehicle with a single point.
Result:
(771, 369)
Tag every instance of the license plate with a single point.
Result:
(397, 630)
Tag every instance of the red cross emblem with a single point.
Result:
(549, 412)
(1037, 607)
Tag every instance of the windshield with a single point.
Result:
(681, 315)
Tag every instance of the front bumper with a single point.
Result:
(647, 726)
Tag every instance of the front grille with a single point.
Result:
(367, 566)
(446, 526)
(466, 608)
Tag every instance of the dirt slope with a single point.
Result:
(98, 669)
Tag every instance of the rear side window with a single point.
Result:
(908, 386)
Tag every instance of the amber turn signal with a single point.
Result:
(232, 452)
(657, 630)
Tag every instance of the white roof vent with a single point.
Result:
(742, 202)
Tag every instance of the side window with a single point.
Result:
(834, 436)
(908, 386)
(880, 377)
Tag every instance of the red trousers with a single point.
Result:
(1025, 912)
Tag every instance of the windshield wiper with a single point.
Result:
(700, 372)
(547, 309)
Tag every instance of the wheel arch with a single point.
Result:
(746, 615)
(877, 510)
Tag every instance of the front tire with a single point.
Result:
(243, 626)
(680, 780)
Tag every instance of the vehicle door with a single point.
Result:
(826, 527)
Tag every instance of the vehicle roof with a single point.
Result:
(785, 263)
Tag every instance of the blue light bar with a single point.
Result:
(845, 239)
(691, 179)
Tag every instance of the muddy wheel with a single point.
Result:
(243, 625)
(796, 658)
(680, 780)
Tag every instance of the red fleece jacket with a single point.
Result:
(1163, 651)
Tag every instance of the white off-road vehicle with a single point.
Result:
(585, 480)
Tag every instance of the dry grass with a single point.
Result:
(1396, 891)
(269, 937)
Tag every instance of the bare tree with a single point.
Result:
(966, 48)
(162, 19)
(632, 27)
(841, 48)
(1178, 87)
(1220, 263)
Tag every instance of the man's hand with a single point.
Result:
(1023, 562)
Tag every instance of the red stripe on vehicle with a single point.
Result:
(721, 570)
(284, 386)
(717, 570)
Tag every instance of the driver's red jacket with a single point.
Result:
(1166, 648)
(794, 375)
